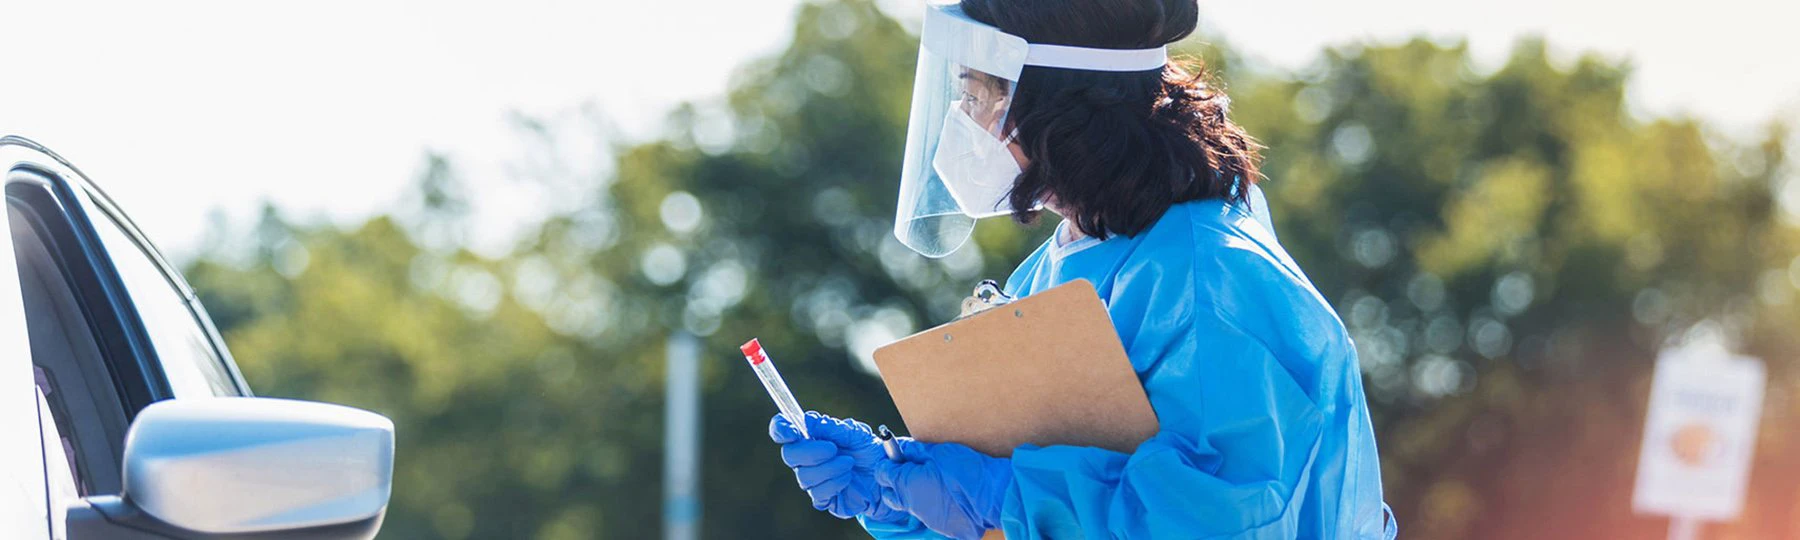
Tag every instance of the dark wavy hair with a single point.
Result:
(1114, 150)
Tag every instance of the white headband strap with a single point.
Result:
(1066, 57)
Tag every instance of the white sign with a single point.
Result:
(1699, 434)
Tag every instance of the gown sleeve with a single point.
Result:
(910, 529)
(1238, 472)
(1240, 425)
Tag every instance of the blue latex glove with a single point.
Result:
(836, 465)
(952, 489)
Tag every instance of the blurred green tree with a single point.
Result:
(1508, 248)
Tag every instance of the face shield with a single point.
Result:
(960, 163)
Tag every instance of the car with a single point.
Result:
(122, 413)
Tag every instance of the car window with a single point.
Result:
(59, 467)
(59, 446)
(67, 365)
(188, 359)
(24, 505)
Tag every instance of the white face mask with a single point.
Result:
(978, 168)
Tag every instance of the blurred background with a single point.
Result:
(487, 222)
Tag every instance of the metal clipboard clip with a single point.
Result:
(988, 295)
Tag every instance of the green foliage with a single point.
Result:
(1509, 249)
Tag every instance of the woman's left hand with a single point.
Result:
(835, 466)
(951, 488)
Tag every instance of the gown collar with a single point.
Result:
(1060, 249)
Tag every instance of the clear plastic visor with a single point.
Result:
(959, 165)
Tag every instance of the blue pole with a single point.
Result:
(681, 440)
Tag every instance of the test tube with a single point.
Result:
(778, 389)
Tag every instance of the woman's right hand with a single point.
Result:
(835, 465)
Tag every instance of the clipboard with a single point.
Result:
(1047, 369)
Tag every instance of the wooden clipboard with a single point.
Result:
(1047, 369)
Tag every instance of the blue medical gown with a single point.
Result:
(1264, 428)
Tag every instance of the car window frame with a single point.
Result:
(71, 195)
(124, 344)
(91, 197)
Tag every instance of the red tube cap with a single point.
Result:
(753, 351)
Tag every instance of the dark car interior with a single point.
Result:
(71, 373)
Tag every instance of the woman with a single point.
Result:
(1071, 106)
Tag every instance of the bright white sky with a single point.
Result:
(327, 107)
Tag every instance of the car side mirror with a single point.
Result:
(250, 468)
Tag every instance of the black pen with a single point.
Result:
(887, 443)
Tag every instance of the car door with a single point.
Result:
(109, 330)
